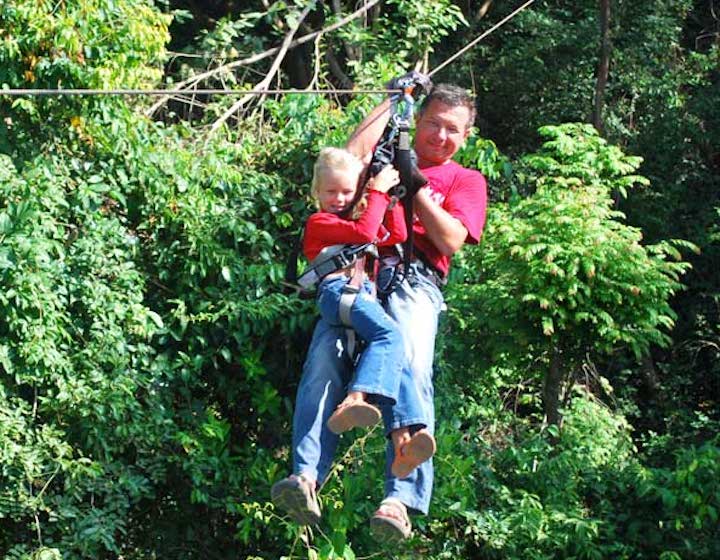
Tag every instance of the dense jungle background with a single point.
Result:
(149, 356)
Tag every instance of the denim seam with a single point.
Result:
(413, 502)
(307, 471)
(405, 423)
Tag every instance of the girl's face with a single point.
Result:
(336, 190)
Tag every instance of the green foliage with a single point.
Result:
(482, 154)
(554, 49)
(74, 334)
(546, 499)
(683, 502)
(73, 44)
(149, 360)
(559, 265)
(401, 37)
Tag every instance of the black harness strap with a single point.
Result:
(394, 148)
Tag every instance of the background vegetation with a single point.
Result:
(149, 357)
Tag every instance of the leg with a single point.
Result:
(378, 372)
(322, 387)
(380, 365)
(416, 309)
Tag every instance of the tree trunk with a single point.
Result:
(552, 388)
(336, 70)
(603, 67)
(650, 378)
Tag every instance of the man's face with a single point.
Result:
(440, 131)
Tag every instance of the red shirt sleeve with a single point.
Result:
(468, 203)
(463, 194)
(324, 228)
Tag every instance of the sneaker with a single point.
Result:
(295, 495)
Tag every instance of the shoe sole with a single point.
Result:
(289, 497)
(419, 449)
(353, 416)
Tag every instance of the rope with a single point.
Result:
(170, 92)
(481, 37)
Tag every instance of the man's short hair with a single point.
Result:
(451, 95)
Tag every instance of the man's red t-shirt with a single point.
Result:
(463, 194)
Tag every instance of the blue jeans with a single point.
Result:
(415, 306)
(382, 361)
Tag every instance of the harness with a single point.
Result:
(333, 259)
(393, 148)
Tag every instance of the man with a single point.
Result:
(450, 211)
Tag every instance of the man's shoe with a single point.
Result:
(295, 495)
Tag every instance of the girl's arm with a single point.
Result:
(332, 229)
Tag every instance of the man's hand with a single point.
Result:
(420, 83)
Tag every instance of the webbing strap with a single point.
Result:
(351, 291)
(347, 298)
(351, 338)
(331, 259)
(405, 168)
(411, 179)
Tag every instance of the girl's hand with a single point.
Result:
(385, 180)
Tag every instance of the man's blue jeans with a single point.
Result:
(415, 306)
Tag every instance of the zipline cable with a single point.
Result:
(190, 92)
(480, 38)
(182, 92)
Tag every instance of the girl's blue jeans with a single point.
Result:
(415, 307)
(382, 362)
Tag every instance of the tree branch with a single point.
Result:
(483, 10)
(192, 82)
(271, 73)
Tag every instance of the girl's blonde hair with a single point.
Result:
(334, 159)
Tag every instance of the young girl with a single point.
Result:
(383, 362)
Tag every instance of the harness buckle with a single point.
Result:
(351, 289)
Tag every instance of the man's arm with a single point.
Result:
(446, 232)
(366, 135)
